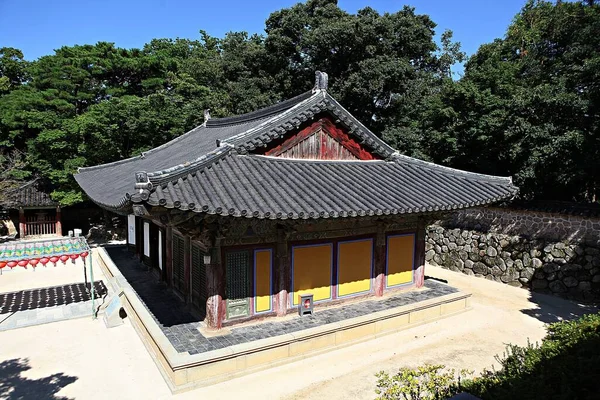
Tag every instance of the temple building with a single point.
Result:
(30, 208)
(243, 215)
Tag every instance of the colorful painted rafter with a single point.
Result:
(41, 252)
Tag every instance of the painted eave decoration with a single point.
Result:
(304, 158)
(43, 252)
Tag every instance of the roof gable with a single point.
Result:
(320, 140)
(293, 118)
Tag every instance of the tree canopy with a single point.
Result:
(527, 105)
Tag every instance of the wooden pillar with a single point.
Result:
(420, 253)
(215, 282)
(379, 259)
(58, 222)
(22, 223)
(169, 256)
(282, 274)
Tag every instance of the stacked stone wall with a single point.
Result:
(544, 252)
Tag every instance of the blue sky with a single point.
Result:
(37, 27)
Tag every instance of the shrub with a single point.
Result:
(566, 365)
(428, 382)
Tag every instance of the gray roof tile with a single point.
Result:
(268, 187)
(35, 193)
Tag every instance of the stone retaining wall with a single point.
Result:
(560, 267)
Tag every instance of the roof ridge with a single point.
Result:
(239, 136)
(380, 141)
(401, 157)
(143, 154)
(217, 122)
(177, 171)
(260, 113)
(311, 160)
(24, 185)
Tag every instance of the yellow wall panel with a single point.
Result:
(262, 280)
(354, 267)
(400, 259)
(312, 271)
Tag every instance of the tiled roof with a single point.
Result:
(108, 184)
(32, 194)
(211, 169)
(276, 188)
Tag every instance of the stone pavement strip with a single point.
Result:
(181, 328)
(45, 305)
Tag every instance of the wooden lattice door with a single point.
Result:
(238, 283)
(199, 293)
(178, 263)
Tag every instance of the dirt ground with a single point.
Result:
(82, 359)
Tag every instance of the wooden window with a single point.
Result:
(178, 263)
(199, 293)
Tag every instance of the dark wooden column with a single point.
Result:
(187, 270)
(169, 256)
(215, 282)
(420, 253)
(379, 260)
(282, 273)
(22, 223)
(58, 222)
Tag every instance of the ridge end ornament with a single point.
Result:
(142, 181)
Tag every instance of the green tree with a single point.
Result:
(92, 104)
(383, 67)
(528, 105)
(13, 69)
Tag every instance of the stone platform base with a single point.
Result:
(183, 371)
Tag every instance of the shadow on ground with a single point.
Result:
(166, 308)
(553, 309)
(433, 278)
(49, 297)
(14, 386)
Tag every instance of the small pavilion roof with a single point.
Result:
(212, 169)
(33, 194)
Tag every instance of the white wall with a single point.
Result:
(146, 239)
(160, 250)
(131, 229)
